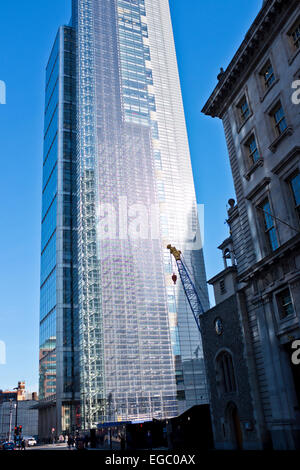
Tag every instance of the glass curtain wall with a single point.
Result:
(47, 387)
(117, 188)
(126, 357)
(59, 381)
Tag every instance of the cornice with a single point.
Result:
(286, 159)
(229, 269)
(225, 243)
(267, 21)
(264, 264)
(261, 185)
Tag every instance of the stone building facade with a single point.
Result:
(231, 402)
(235, 409)
(257, 98)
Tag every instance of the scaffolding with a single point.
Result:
(90, 316)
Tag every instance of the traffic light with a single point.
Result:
(16, 430)
(20, 430)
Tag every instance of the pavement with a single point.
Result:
(63, 446)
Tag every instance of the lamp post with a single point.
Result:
(10, 418)
(16, 420)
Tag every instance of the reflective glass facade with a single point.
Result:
(126, 192)
(59, 377)
(48, 245)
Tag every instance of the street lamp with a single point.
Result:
(10, 418)
(16, 420)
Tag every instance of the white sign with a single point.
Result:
(2, 92)
(2, 353)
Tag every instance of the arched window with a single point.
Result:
(225, 373)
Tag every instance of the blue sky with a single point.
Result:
(206, 35)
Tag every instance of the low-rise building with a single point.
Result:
(27, 418)
(23, 404)
(229, 363)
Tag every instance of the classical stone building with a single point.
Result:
(257, 98)
(229, 363)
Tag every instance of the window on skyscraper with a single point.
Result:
(180, 395)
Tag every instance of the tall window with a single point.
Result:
(295, 187)
(267, 74)
(269, 227)
(252, 149)
(222, 287)
(244, 109)
(285, 304)
(279, 119)
(294, 34)
(225, 372)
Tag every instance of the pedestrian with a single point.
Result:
(129, 440)
(70, 442)
(149, 440)
(122, 441)
(23, 444)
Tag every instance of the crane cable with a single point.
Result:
(173, 268)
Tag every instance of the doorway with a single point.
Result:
(236, 433)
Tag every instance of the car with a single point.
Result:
(2, 441)
(8, 446)
(31, 441)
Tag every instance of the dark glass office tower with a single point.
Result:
(118, 340)
(59, 371)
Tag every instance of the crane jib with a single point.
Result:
(190, 292)
(188, 285)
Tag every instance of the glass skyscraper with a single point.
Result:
(117, 338)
